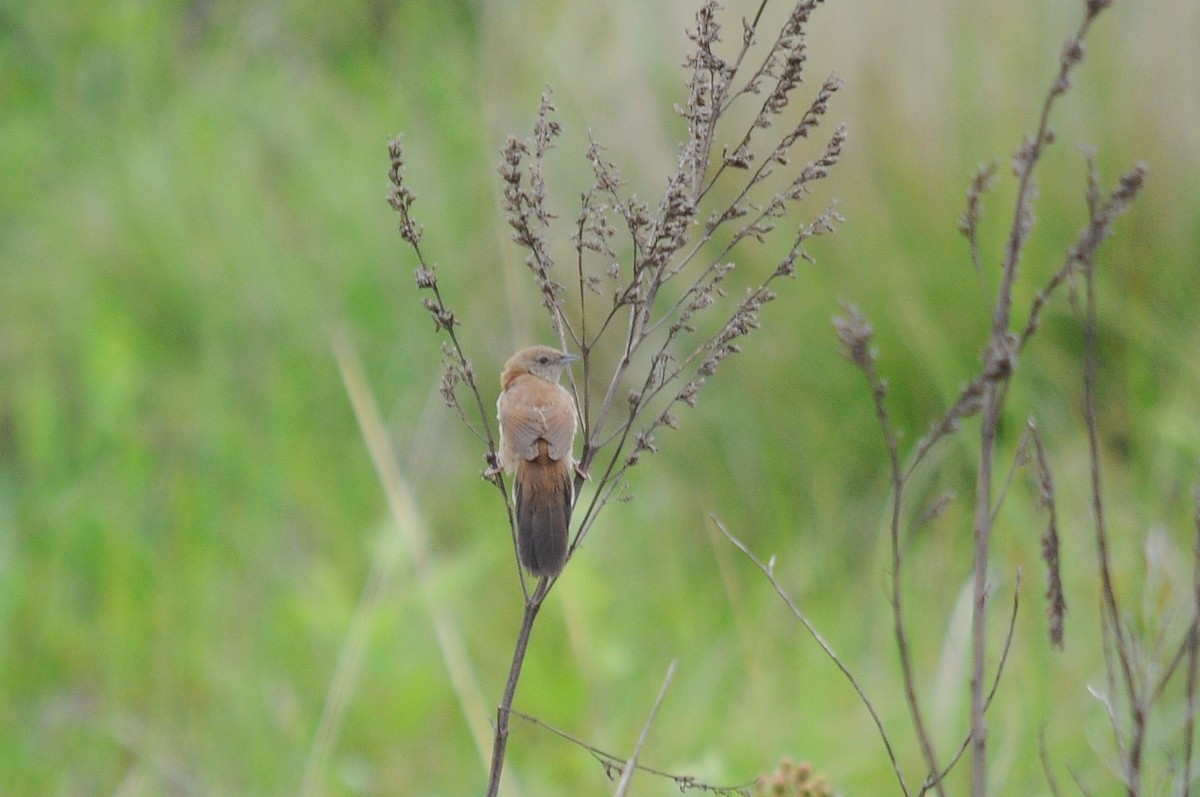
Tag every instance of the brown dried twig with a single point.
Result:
(1000, 359)
(613, 764)
(855, 333)
(768, 570)
(1118, 645)
(985, 395)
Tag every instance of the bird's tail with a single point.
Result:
(543, 495)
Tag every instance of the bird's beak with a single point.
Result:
(568, 358)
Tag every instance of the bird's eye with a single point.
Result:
(543, 359)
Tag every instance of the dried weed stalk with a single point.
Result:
(646, 286)
(985, 395)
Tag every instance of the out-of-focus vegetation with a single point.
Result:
(192, 204)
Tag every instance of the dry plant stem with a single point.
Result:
(985, 178)
(1024, 163)
(879, 394)
(409, 526)
(1193, 654)
(1168, 672)
(937, 777)
(641, 324)
(1110, 683)
(1116, 644)
(1113, 622)
(457, 368)
(631, 763)
(613, 764)
(1056, 602)
(500, 737)
(768, 571)
(979, 592)
(855, 333)
(1044, 755)
(1000, 360)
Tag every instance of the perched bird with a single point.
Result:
(537, 430)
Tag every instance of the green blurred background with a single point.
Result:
(192, 209)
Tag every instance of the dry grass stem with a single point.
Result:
(985, 395)
(768, 570)
(614, 765)
(407, 522)
(1192, 645)
(631, 763)
(855, 333)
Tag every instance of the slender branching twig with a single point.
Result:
(937, 777)
(999, 362)
(500, 735)
(631, 763)
(408, 525)
(985, 394)
(1047, 769)
(1056, 601)
(768, 570)
(1101, 216)
(1193, 652)
(613, 764)
(855, 334)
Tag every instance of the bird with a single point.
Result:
(537, 431)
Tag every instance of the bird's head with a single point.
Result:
(543, 361)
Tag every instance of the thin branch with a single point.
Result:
(612, 763)
(1008, 638)
(1193, 655)
(631, 762)
(992, 406)
(401, 198)
(1112, 614)
(1047, 770)
(410, 527)
(968, 225)
(500, 735)
(768, 570)
(1020, 457)
(855, 333)
(999, 363)
(1024, 162)
(1056, 601)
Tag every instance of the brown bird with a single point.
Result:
(537, 430)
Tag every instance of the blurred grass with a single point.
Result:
(193, 198)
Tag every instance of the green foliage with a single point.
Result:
(193, 201)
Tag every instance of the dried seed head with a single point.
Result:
(425, 277)
(855, 333)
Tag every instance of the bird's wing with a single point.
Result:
(560, 424)
(531, 409)
(520, 422)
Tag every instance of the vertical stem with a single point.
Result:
(879, 390)
(1189, 726)
(1137, 703)
(500, 739)
(983, 534)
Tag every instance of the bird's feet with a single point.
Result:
(493, 469)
